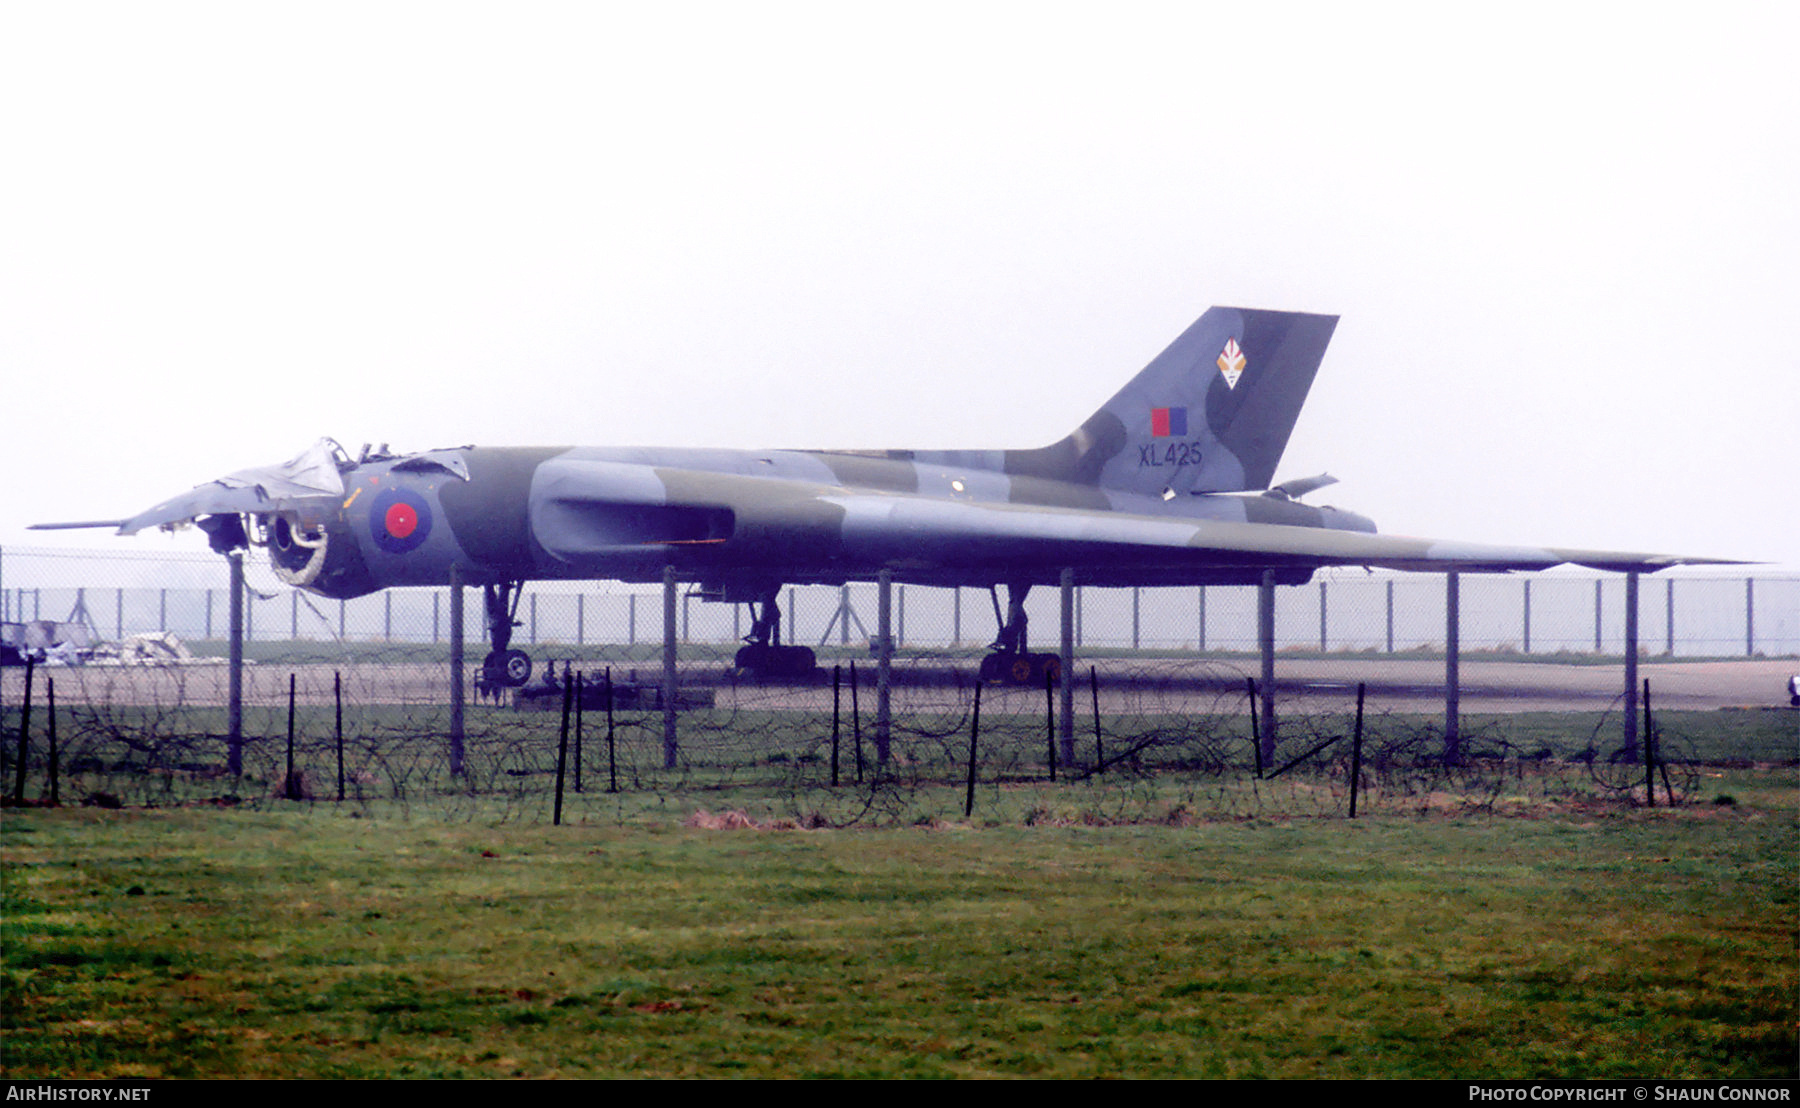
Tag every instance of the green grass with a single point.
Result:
(1521, 917)
(305, 940)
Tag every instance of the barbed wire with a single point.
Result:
(1159, 754)
(1161, 728)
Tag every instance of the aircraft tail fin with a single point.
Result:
(1212, 413)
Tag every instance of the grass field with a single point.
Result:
(1586, 937)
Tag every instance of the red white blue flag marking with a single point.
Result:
(400, 520)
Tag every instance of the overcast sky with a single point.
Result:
(1564, 240)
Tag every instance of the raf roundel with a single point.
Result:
(400, 520)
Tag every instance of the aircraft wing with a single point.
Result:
(310, 479)
(211, 499)
(905, 531)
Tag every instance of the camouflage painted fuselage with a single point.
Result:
(1161, 486)
(743, 521)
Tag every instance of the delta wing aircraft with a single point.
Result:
(1167, 484)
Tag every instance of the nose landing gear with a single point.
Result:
(503, 668)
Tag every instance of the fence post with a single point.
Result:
(1080, 616)
(884, 652)
(1749, 617)
(1631, 662)
(1669, 613)
(234, 717)
(1452, 667)
(1265, 641)
(1527, 615)
(1066, 725)
(562, 741)
(974, 735)
(337, 728)
(1388, 592)
(1322, 608)
(457, 687)
(290, 788)
(668, 675)
(1200, 645)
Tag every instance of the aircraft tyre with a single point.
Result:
(507, 669)
(993, 667)
(776, 661)
(1009, 668)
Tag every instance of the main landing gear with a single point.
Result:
(1011, 663)
(503, 668)
(765, 656)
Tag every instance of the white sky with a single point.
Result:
(1563, 239)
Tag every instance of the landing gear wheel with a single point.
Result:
(776, 661)
(993, 668)
(507, 668)
(1005, 667)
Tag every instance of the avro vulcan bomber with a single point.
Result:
(1169, 483)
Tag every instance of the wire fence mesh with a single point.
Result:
(1683, 614)
(1163, 724)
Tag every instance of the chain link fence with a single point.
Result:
(1683, 613)
(136, 645)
